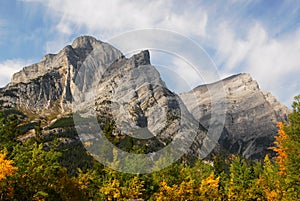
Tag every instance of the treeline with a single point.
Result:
(38, 170)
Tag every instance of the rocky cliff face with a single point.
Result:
(125, 92)
(46, 87)
(132, 95)
(128, 92)
(251, 115)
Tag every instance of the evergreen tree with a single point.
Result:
(241, 179)
(288, 152)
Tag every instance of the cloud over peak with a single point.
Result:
(257, 37)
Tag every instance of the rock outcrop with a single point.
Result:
(46, 87)
(251, 115)
(91, 75)
(126, 92)
(131, 94)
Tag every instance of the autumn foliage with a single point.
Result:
(6, 167)
(34, 170)
(280, 149)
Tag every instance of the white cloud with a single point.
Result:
(107, 18)
(56, 45)
(190, 78)
(273, 62)
(276, 65)
(239, 39)
(9, 67)
(120, 15)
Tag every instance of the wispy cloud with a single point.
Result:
(107, 18)
(9, 67)
(272, 61)
(241, 36)
(119, 15)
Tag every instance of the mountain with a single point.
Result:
(46, 87)
(94, 79)
(251, 116)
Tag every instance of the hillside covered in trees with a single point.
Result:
(44, 168)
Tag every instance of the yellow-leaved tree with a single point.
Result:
(209, 189)
(280, 149)
(287, 149)
(6, 167)
(189, 190)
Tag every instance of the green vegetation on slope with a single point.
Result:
(43, 168)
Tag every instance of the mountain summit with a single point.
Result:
(46, 86)
(251, 117)
(130, 93)
(92, 78)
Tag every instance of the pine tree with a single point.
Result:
(241, 180)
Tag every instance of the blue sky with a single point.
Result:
(258, 37)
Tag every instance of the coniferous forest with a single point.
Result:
(43, 168)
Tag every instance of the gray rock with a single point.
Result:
(46, 87)
(251, 115)
(93, 76)
(131, 94)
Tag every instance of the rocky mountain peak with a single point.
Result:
(143, 58)
(72, 55)
(85, 42)
(48, 84)
(243, 76)
(240, 83)
(251, 115)
(132, 91)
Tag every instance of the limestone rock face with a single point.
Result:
(46, 87)
(93, 75)
(131, 94)
(251, 115)
(128, 92)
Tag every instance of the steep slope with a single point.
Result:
(94, 79)
(131, 96)
(46, 87)
(251, 115)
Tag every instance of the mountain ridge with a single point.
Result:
(251, 115)
(51, 86)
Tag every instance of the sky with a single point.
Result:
(260, 37)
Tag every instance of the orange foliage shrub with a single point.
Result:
(280, 150)
(6, 167)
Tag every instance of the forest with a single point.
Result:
(41, 168)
